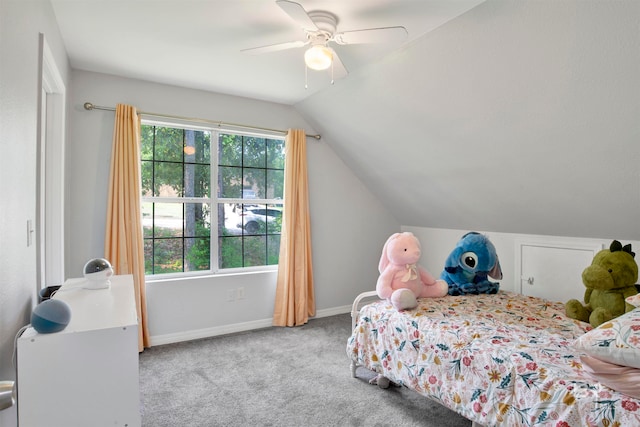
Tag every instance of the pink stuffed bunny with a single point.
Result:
(401, 280)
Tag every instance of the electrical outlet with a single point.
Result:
(240, 293)
(231, 295)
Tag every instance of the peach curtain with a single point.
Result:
(123, 243)
(295, 300)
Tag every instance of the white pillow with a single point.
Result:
(616, 341)
(634, 300)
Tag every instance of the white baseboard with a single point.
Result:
(233, 328)
(332, 311)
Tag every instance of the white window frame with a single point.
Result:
(213, 200)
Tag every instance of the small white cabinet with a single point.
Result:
(553, 270)
(86, 374)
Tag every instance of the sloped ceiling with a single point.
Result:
(514, 116)
(517, 116)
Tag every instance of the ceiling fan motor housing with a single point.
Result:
(326, 23)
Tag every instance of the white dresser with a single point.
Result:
(87, 374)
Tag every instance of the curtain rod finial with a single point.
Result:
(88, 106)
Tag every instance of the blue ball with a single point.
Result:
(50, 316)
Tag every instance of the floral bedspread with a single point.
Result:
(503, 359)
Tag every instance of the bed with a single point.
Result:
(504, 359)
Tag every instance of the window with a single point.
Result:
(211, 200)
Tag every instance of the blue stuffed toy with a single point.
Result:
(469, 266)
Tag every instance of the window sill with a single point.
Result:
(210, 275)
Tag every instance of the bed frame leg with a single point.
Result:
(354, 318)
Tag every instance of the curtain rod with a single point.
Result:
(89, 106)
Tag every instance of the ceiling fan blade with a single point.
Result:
(339, 70)
(275, 47)
(372, 35)
(297, 12)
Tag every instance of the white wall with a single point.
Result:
(348, 224)
(21, 22)
(517, 117)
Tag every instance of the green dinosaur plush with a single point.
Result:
(609, 280)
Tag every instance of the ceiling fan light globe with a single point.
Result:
(318, 57)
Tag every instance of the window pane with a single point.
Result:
(230, 252)
(167, 256)
(254, 152)
(197, 146)
(147, 220)
(253, 219)
(196, 180)
(167, 220)
(273, 249)
(254, 179)
(197, 219)
(168, 179)
(229, 179)
(275, 154)
(203, 147)
(230, 150)
(197, 254)
(255, 250)
(146, 169)
(230, 220)
(168, 144)
(274, 219)
(275, 184)
(146, 142)
(148, 256)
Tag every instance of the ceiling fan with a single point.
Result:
(320, 29)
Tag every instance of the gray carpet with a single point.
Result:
(275, 377)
